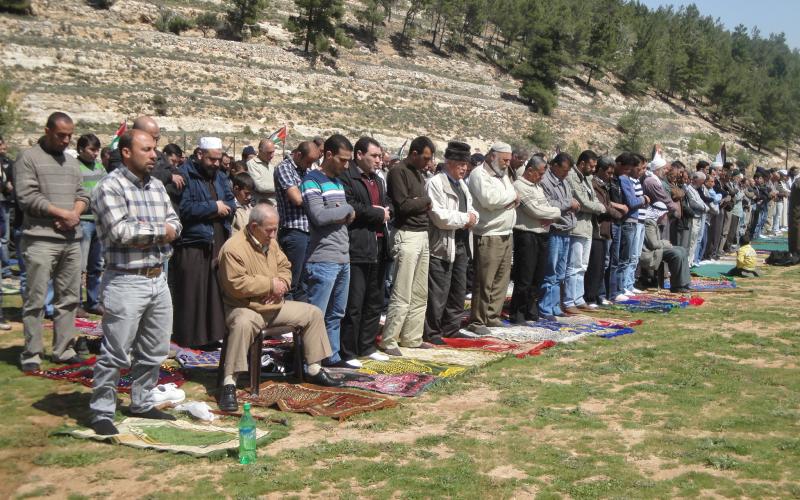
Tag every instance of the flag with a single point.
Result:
(722, 156)
(279, 136)
(402, 148)
(123, 127)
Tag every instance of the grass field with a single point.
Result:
(699, 402)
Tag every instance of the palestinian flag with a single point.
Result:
(123, 127)
(279, 136)
(722, 156)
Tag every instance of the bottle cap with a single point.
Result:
(247, 406)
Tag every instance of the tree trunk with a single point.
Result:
(589, 78)
(436, 28)
(308, 28)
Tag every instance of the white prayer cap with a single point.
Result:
(500, 147)
(783, 172)
(657, 163)
(210, 143)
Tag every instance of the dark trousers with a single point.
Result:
(530, 257)
(713, 235)
(733, 234)
(447, 289)
(594, 283)
(294, 244)
(362, 319)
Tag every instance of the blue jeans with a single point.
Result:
(5, 232)
(622, 240)
(137, 325)
(91, 264)
(633, 262)
(327, 285)
(702, 239)
(555, 271)
(294, 244)
(578, 263)
(759, 218)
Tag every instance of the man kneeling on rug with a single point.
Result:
(655, 251)
(255, 275)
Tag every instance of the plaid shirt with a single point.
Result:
(287, 174)
(131, 220)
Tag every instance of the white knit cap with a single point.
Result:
(658, 162)
(210, 143)
(500, 147)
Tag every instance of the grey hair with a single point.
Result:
(536, 161)
(699, 175)
(261, 212)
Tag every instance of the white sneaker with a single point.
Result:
(379, 356)
(353, 363)
(592, 306)
(167, 393)
(605, 302)
(621, 298)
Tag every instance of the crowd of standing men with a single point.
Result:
(202, 249)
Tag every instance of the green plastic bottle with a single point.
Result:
(247, 437)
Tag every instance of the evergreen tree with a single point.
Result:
(316, 24)
(244, 13)
(540, 71)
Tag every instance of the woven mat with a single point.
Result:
(556, 331)
(712, 270)
(83, 373)
(518, 349)
(400, 384)
(333, 402)
(87, 327)
(194, 359)
(450, 356)
(206, 440)
(702, 283)
(405, 365)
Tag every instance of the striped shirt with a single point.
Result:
(287, 175)
(91, 176)
(636, 215)
(132, 218)
(326, 206)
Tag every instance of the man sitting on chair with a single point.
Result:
(255, 274)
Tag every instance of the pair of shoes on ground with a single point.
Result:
(166, 393)
(105, 427)
(395, 351)
(5, 326)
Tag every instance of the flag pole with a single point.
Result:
(283, 142)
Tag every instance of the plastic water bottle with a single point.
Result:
(247, 437)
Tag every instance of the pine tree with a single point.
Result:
(540, 72)
(244, 13)
(316, 24)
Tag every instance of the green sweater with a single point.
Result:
(91, 176)
(43, 179)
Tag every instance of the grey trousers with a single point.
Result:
(136, 330)
(492, 274)
(60, 260)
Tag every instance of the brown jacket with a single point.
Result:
(245, 272)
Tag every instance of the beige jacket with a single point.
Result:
(491, 195)
(445, 217)
(534, 213)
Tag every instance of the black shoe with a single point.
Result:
(80, 313)
(227, 398)
(322, 378)
(393, 351)
(104, 428)
(479, 330)
(683, 289)
(74, 360)
(436, 341)
(99, 311)
(30, 367)
(154, 414)
(81, 346)
(517, 319)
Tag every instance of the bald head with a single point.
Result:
(147, 124)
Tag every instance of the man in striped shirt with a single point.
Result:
(136, 224)
(326, 276)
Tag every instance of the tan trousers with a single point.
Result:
(492, 274)
(243, 325)
(405, 318)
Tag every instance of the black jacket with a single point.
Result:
(369, 220)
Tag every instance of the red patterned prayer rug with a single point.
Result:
(334, 402)
(520, 350)
(83, 373)
(399, 384)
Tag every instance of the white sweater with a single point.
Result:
(490, 197)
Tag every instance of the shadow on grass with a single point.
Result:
(10, 355)
(74, 405)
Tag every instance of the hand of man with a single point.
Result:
(279, 288)
(177, 179)
(171, 233)
(646, 200)
(472, 221)
(223, 210)
(574, 205)
(350, 218)
(385, 212)
(514, 204)
(69, 220)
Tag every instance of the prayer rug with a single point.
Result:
(86, 327)
(401, 384)
(711, 270)
(658, 302)
(702, 283)
(333, 402)
(518, 349)
(194, 359)
(179, 436)
(449, 356)
(83, 373)
(404, 365)
(555, 331)
(770, 244)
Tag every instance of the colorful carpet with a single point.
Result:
(448, 356)
(201, 360)
(704, 284)
(402, 384)
(333, 402)
(660, 302)
(518, 349)
(397, 366)
(180, 436)
(83, 373)
(86, 327)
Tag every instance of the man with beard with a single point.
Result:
(52, 198)
(264, 176)
(136, 223)
(207, 206)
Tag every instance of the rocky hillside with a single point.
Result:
(103, 66)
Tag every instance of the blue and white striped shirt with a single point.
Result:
(326, 206)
